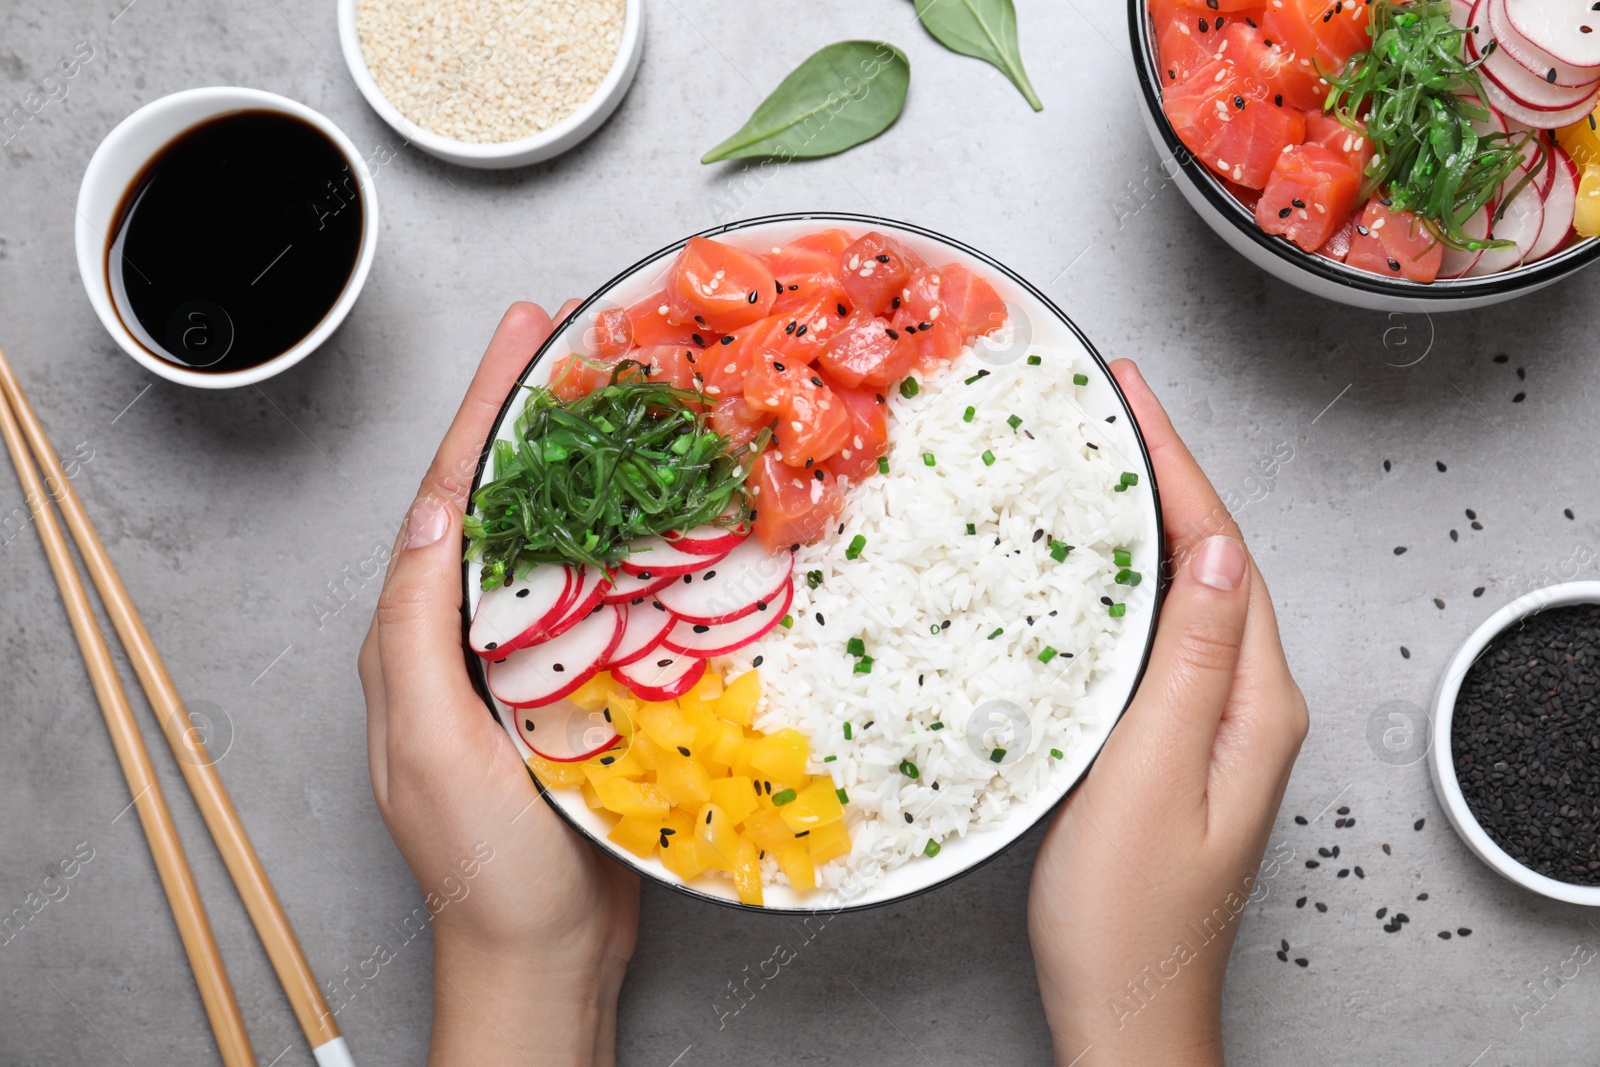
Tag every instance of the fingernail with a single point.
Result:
(427, 523)
(1219, 562)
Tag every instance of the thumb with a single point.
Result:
(418, 620)
(1185, 689)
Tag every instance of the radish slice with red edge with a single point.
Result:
(515, 616)
(1561, 29)
(1457, 262)
(1520, 222)
(696, 639)
(654, 557)
(1538, 118)
(733, 588)
(666, 676)
(1491, 18)
(647, 623)
(563, 732)
(626, 588)
(592, 586)
(1560, 204)
(546, 672)
(710, 540)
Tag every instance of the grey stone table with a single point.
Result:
(244, 523)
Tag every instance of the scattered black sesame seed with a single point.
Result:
(1300, 820)
(1300, 903)
(1405, 653)
(1387, 851)
(1418, 824)
(1478, 591)
(1320, 906)
(1400, 550)
(1440, 465)
(1381, 913)
(1312, 865)
(1302, 962)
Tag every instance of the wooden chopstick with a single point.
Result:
(210, 795)
(187, 911)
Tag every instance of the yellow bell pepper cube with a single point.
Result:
(719, 841)
(702, 696)
(781, 756)
(768, 830)
(1582, 139)
(737, 704)
(666, 724)
(681, 850)
(625, 797)
(747, 872)
(683, 780)
(828, 843)
(591, 798)
(816, 805)
(1586, 216)
(719, 741)
(596, 693)
(794, 859)
(736, 796)
(638, 836)
(633, 760)
(555, 775)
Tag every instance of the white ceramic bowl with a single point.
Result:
(1324, 277)
(1441, 761)
(525, 150)
(1107, 698)
(117, 163)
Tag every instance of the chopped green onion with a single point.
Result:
(883, 464)
(927, 459)
(863, 665)
(1034, 361)
(847, 731)
(909, 388)
(1059, 550)
(909, 769)
(1056, 752)
(1048, 654)
(1129, 577)
(856, 647)
(813, 579)
(975, 377)
(787, 622)
(933, 628)
(844, 798)
(1013, 422)
(988, 458)
(1122, 557)
(857, 543)
(972, 528)
(786, 796)
(966, 416)
(1080, 379)
(1117, 611)
(829, 759)
(1129, 478)
(936, 726)
(931, 849)
(994, 757)
(998, 630)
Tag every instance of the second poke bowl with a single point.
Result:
(811, 562)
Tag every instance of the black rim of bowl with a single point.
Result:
(479, 675)
(1545, 271)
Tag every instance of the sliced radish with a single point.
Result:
(1520, 221)
(1532, 89)
(1535, 117)
(710, 540)
(1561, 29)
(697, 639)
(592, 586)
(1560, 204)
(653, 557)
(647, 622)
(546, 672)
(562, 732)
(1490, 18)
(626, 588)
(1457, 262)
(661, 677)
(735, 587)
(515, 616)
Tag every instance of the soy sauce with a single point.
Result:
(235, 241)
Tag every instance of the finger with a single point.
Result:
(566, 310)
(522, 330)
(1172, 723)
(1191, 510)
(369, 666)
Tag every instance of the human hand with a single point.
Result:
(532, 928)
(1139, 885)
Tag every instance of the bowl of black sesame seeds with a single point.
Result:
(1516, 754)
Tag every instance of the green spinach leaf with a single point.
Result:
(983, 29)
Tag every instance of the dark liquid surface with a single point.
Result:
(235, 241)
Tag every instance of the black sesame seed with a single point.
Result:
(1300, 903)
(1320, 906)
(758, 661)
(1300, 820)
(1405, 653)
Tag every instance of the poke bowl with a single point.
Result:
(904, 579)
(1310, 180)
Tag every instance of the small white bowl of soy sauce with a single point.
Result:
(224, 233)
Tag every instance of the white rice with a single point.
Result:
(920, 568)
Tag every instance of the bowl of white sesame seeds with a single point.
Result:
(492, 83)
